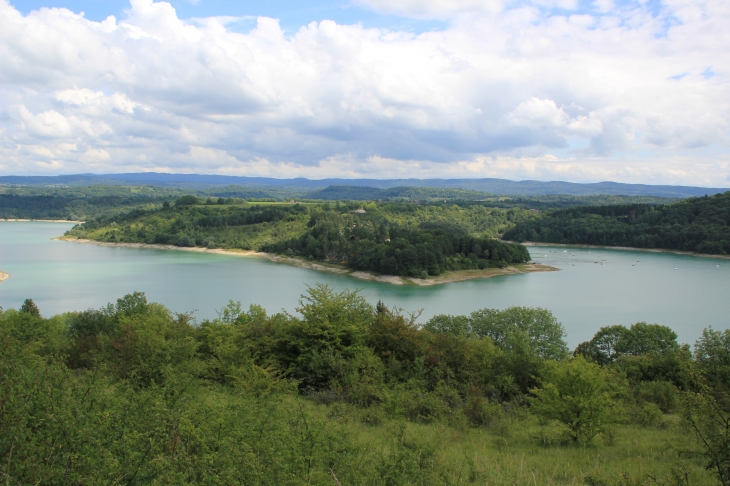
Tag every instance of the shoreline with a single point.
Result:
(4, 276)
(624, 248)
(38, 221)
(456, 276)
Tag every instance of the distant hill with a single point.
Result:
(492, 186)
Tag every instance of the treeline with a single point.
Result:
(364, 193)
(697, 224)
(349, 393)
(391, 238)
(69, 208)
(86, 202)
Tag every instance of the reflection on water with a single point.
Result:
(594, 288)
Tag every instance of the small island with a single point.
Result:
(395, 242)
(4, 276)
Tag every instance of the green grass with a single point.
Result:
(521, 451)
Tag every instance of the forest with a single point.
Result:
(83, 202)
(390, 238)
(699, 224)
(347, 392)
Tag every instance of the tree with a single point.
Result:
(511, 327)
(332, 330)
(643, 338)
(707, 413)
(602, 348)
(448, 324)
(29, 307)
(580, 396)
(611, 342)
(186, 200)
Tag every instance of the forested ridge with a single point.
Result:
(88, 201)
(390, 238)
(697, 224)
(346, 392)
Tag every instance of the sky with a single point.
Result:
(573, 90)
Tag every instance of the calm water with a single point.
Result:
(683, 292)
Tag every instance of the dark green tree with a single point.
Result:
(29, 307)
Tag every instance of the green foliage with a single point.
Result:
(340, 392)
(515, 330)
(699, 224)
(611, 342)
(707, 413)
(329, 338)
(712, 353)
(580, 395)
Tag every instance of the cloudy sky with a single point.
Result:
(583, 91)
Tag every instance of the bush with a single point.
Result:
(187, 200)
(661, 393)
(185, 241)
(646, 414)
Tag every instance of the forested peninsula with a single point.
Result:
(700, 225)
(402, 239)
(347, 392)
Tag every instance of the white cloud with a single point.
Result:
(431, 8)
(503, 90)
(537, 113)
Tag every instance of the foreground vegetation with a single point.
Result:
(349, 393)
(697, 224)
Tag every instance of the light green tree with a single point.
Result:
(580, 395)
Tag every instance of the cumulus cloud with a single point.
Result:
(506, 89)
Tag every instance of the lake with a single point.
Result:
(594, 288)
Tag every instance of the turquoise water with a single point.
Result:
(684, 292)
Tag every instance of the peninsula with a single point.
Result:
(400, 243)
(338, 269)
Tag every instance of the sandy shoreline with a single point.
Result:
(628, 248)
(4, 276)
(457, 276)
(38, 221)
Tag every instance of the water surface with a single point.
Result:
(594, 287)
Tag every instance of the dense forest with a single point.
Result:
(86, 202)
(346, 392)
(698, 224)
(390, 238)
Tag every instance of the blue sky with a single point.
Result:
(292, 14)
(577, 90)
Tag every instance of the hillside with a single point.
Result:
(698, 224)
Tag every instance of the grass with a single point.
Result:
(522, 451)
